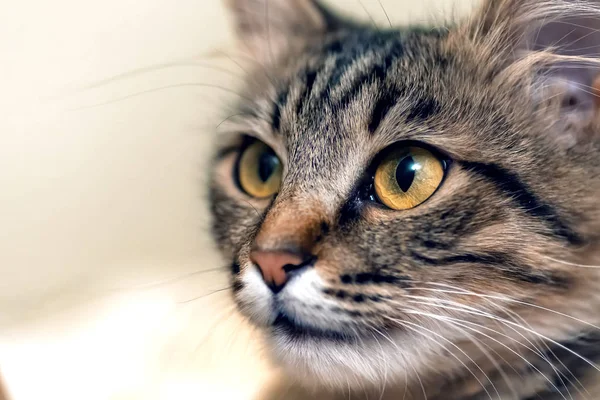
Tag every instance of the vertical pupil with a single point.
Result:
(267, 163)
(405, 173)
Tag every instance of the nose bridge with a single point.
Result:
(312, 192)
(293, 223)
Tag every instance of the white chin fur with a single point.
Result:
(342, 365)
(255, 298)
(303, 301)
(321, 361)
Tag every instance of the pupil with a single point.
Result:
(266, 166)
(405, 173)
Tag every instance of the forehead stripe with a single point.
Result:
(376, 73)
(279, 105)
(311, 77)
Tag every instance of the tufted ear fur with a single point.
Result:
(557, 42)
(267, 28)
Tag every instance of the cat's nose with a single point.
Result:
(277, 266)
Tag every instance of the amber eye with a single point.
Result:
(407, 177)
(259, 170)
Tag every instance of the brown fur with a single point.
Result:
(478, 291)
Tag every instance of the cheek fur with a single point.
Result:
(254, 297)
(304, 301)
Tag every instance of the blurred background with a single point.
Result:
(109, 285)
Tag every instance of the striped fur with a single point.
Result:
(486, 290)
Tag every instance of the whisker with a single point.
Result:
(205, 295)
(254, 208)
(479, 344)
(510, 300)
(537, 351)
(479, 313)
(506, 322)
(254, 61)
(531, 365)
(572, 264)
(230, 58)
(171, 280)
(368, 14)
(179, 85)
(219, 319)
(385, 12)
(583, 88)
(405, 373)
(458, 359)
(593, 31)
(232, 336)
(228, 118)
(420, 382)
(516, 318)
(157, 67)
(386, 366)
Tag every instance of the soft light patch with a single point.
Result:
(95, 359)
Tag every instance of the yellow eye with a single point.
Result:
(259, 171)
(407, 177)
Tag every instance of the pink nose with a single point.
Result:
(276, 265)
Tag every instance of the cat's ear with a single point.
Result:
(560, 41)
(267, 28)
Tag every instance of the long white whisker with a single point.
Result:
(455, 321)
(475, 311)
(513, 315)
(385, 370)
(537, 351)
(480, 345)
(385, 12)
(503, 298)
(506, 322)
(221, 318)
(412, 367)
(571, 264)
(510, 300)
(516, 318)
(458, 359)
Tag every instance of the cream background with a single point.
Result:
(102, 193)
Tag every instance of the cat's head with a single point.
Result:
(385, 191)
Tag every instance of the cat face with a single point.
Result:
(383, 193)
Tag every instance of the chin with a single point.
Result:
(342, 360)
(328, 350)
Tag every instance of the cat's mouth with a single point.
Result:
(293, 330)
(314, 338)
(335, 356)
(299, 313)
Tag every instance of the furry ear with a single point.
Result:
(267, 28)
(560, 41)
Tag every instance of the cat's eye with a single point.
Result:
(408, 176)
(259, 170)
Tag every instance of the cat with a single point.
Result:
(415, 211)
